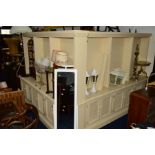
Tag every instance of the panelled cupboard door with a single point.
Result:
(117, 100)
(105, 107)
(126, 96)
(92, 112)
(34, 97)
(49, 111)
(41, 103)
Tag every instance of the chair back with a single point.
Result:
(14, 97)
(23, 115)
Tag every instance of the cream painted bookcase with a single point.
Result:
(102, 51)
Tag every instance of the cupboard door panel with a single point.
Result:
(34, 98)
(92, 112)
(105, 107)
(117, 101)
(49, 111)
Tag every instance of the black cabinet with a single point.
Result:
(65, 100)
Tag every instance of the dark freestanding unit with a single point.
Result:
(142, 106)
(65, 99)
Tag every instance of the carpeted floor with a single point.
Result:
(120, 123)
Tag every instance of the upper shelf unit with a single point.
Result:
(86, 50)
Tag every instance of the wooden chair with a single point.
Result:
(15, 113)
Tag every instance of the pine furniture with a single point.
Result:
(88, 50)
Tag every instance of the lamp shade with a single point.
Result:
(20, 29)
